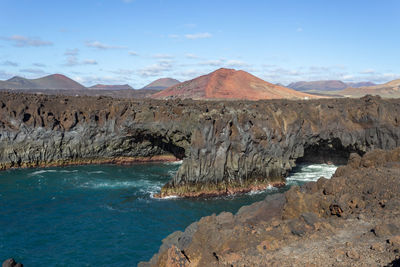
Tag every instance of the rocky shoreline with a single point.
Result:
(94, 161)
(226, 146)
(348, 220)
(221, 189)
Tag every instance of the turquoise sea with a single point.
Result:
(104, 215)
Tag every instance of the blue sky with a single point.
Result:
(137, 41)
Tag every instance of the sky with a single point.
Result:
(138, 41)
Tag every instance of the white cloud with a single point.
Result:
(162, 56)
(9, 63)
(156, 69)
(71, 52)
(89, 62)
(215, 62)
(195, 36)
(33, 71)
(5, 75)
(191, 56)
(347, 77)
(133, 53)
(40, 65)
(24, 41)
(93, 79)
(99, 45)
(173, 36)
(368, 71)
(74, 61)
(235, 64)
(123, 72)
(189, 74)
(225, 63)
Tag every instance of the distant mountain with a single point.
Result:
(360, 84)
(326, 85)
(53, 82)
(388, 90)
(161, 84)
(229, 84)
(330, 85)
(110, 87)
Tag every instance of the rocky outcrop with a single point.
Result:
(257, 143)
(53, 130)
(227, 146)
(11, 263)
(349, 220)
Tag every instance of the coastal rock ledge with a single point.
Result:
(226, 146)
(351, 219)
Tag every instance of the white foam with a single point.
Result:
(308, 173)
(143, 185)
(178, 162)
(108, 184)
(41, 172)
(51, 171)
(165, 198)
(256, 192)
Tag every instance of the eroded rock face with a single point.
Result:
(256, 143)
(54, 130)
(349, 220)
(227, 146)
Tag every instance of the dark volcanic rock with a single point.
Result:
(54, 130)
(227, 146)
(11, 263)
(246, 144)
(349, 220)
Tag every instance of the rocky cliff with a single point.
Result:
(247, 145)
(227, 146)
(54, 130)
(349, 220)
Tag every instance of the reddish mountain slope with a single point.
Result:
(229, 84)
(110, 87)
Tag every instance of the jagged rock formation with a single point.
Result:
(254, 144)
(226, 146)
(349, 220)
(53, 130)
(226, 84)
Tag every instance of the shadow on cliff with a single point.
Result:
(163, 143)
(328, 151)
